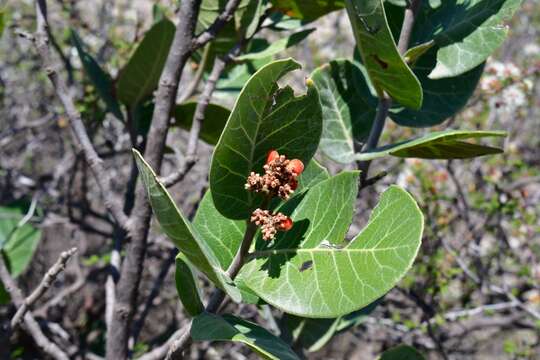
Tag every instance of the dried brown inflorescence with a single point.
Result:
(280, 176)
(280, 179)
(271, 223)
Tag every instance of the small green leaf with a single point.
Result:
(140, 77)
(186, 286)
(181, 231)
(401, 352)
(99, 78)
(17, 242)
(348, 108)
(307, 10)
(413, 54)
(447, 144)
(215, 118)
(385, 66)
(264, 117)
(277, 46)
(466, 31)
(210, 327)
(311, 272)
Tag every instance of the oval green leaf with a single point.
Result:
(140, 77)
(467, 32)
(348, 108)
(181, 231)
(210, 327)
(99, 78)
(264, 117)
(447, 144)
(309, 272)
(385, 66)
(186, 286)
(18, 241)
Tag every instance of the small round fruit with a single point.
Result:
(285, 225)
(296, 166)
(272, 155)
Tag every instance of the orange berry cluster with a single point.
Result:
(280, 179)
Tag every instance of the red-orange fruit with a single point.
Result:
(286, 225)
(294, 184)
(296, 166)
(272, 155)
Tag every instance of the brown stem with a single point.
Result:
(127, 290)
(41, 40)
(43, 286)
(30, 324)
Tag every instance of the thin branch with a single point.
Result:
(198, 117)
(82, 141)
(165, 96)
(30, 324)
(223, 18)
(43, 286)
(194, 84)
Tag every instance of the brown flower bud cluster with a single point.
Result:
(271, 223)
(280, 176)
(279, 179)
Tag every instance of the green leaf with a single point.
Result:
(140, 77)
(221, 234)
(414, 53)
(224, 235)
(277, 46)
(313, 174)
(385, 66)
(186, 286)
(307, 10)
(447, 144)
(17, 242)
(99, 78)
(264, 117)
(230, 84)
(314, 334)
(311, 272)
(181, 231)
(215, 118)
(466, 31)
(401, 352)
(210, 327)
(443, 98)
(348, 108)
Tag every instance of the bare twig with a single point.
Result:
(223, 18)
(30, 324)
(43, 286)
(41, 41)
(202, 104)
(192, 87)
